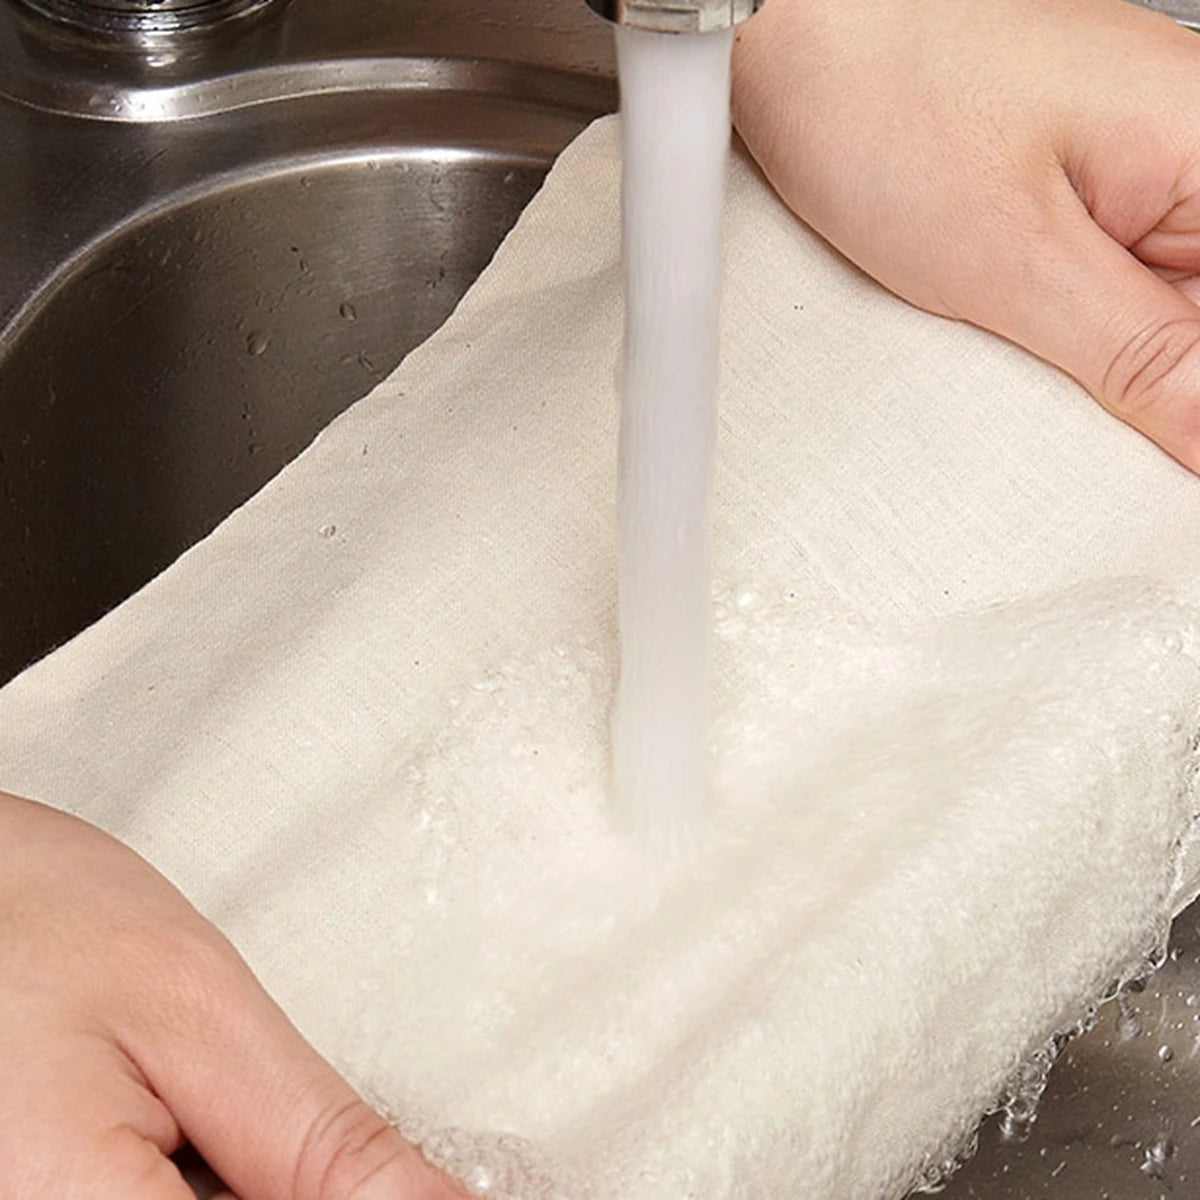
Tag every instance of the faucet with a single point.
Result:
(135, 20)
(677, 16)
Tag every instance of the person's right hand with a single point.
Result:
(1030, 166)
(128, 1025)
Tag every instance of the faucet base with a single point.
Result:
(142, 20)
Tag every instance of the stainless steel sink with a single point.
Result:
(186, 300)
(211, 247)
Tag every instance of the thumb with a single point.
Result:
(1091, 307)
(273, 1119)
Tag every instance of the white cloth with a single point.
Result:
(363, 727)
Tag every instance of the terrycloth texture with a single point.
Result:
(363, 726)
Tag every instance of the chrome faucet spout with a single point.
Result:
(677, 16)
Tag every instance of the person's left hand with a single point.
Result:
(1031, 166)
(128, 1022)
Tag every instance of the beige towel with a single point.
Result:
(363, 727)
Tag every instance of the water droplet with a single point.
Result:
(1165, 1054)
(1157, 1156)
(479, 1179)
(348, 312)
(257, 343)
(1129, 1025)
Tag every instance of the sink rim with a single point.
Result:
(479, 132)
(471, 141)
(208, 96)
(278, 51)
(265, 170)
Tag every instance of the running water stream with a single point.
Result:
(675, 139)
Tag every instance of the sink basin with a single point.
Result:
(215, 286)
(208, 255)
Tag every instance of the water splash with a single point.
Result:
(1020, 1100)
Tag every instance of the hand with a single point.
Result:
(128, 1023)
(1031, 166)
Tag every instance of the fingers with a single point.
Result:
(163, 1032)
(274, 1120)
(316, 1140)
(80, 1163)
(75, 1119)
(126, 1164)
(1083, 302)
(999, 192)
(114, 1163)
